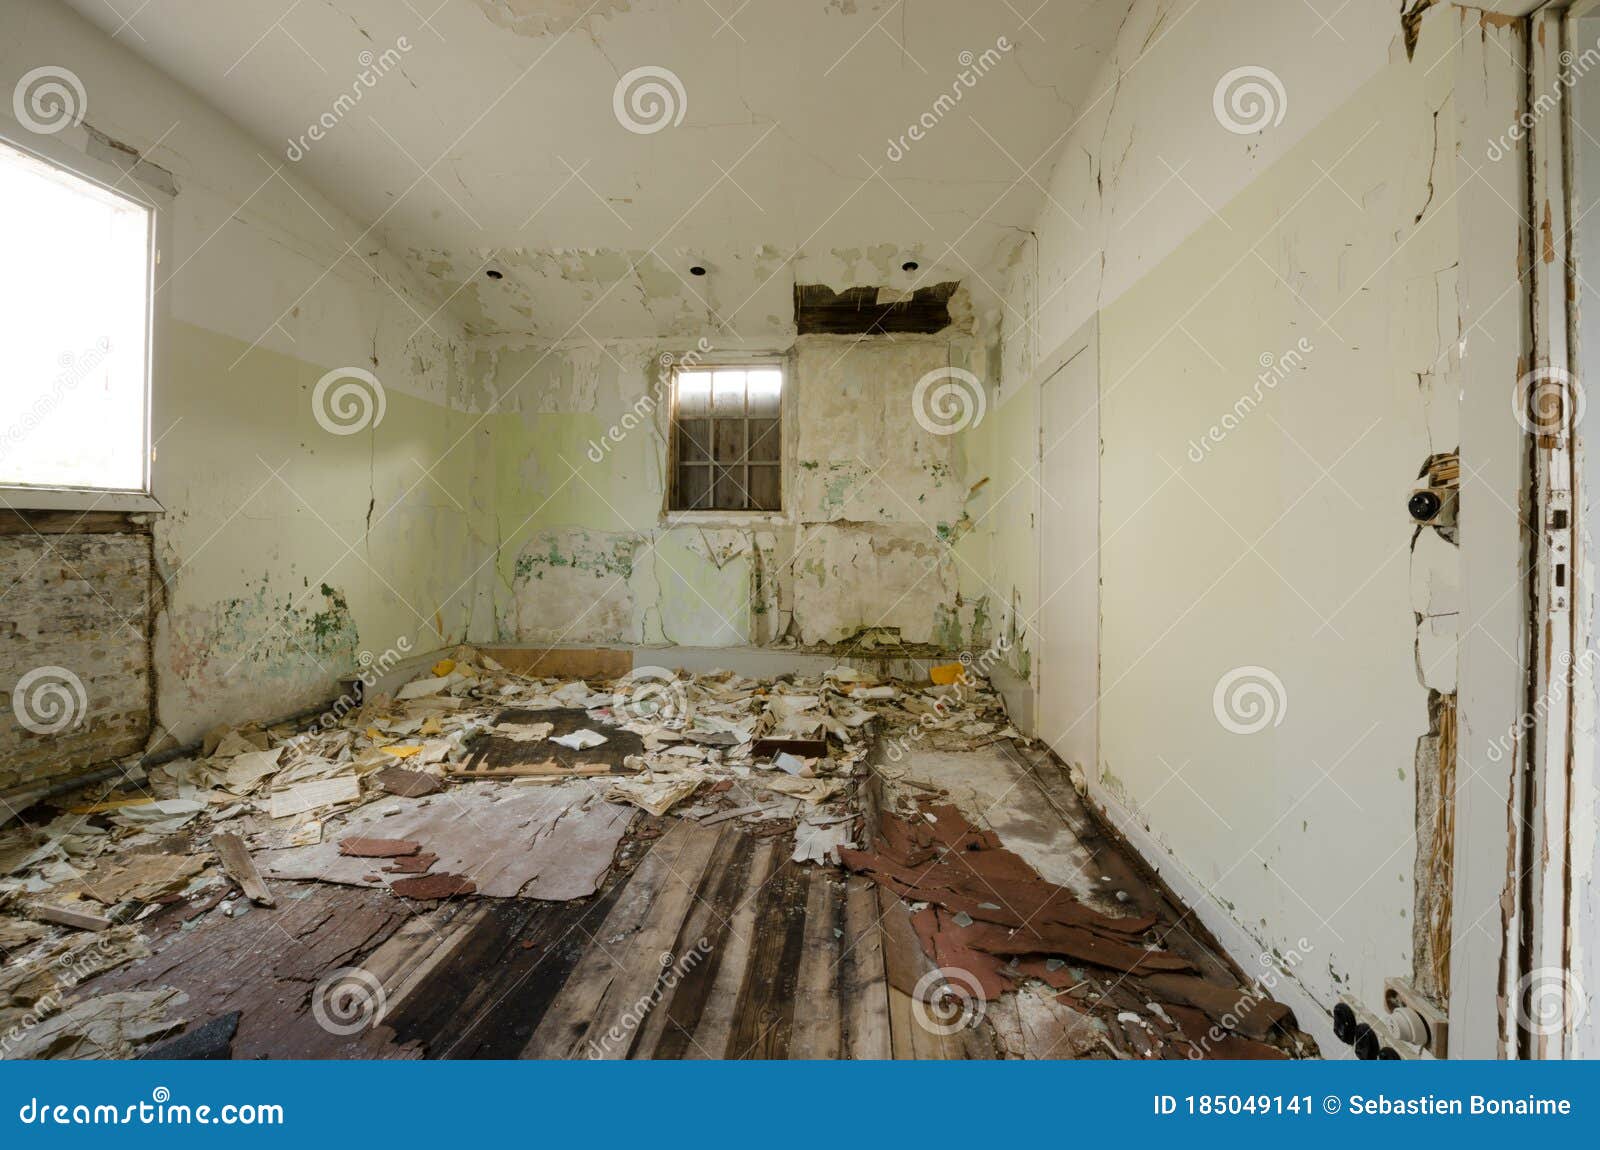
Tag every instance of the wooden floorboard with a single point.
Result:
(763, 1018)
(669, 1030)
(705, 942)
(818, 1031)
(863, 981)
(713, 1032)
(622, 959)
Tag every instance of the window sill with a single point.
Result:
(733, 519)
(75, 499)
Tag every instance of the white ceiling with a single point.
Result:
(494, 143)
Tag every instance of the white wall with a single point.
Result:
(1281, 335)
(264, 286)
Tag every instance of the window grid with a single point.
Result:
(727, 457)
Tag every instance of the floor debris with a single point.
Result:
(475, 801)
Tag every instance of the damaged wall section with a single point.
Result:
(76, 632)
(864, 552)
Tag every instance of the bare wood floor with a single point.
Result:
(708, 942)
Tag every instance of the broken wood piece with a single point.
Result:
(241, 867)
(67, 916)
(739, 812)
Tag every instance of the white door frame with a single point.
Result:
(1083, 342)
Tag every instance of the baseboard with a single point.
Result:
(1313, 1017)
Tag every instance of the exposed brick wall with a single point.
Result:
(79, 604)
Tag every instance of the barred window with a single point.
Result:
(727, 438)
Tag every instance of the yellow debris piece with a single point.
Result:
(946, 673)
(443, 667)
(401, 752)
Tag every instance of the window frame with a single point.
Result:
(124, 182)
(732, 516)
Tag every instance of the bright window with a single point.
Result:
(75, 326)
(727, 439)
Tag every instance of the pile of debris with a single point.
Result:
(468, 780)
(991, 925)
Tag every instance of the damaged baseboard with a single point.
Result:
(1313, 1017)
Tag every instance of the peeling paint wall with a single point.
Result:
(875, 506)
(77, 619)
(1280, 350)
(285, 550)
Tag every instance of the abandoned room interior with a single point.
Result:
(835, 530)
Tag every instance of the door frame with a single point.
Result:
(1084, 341)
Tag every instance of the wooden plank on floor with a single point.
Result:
(818, 1029)
(864, 984)
(669, 1029)
(714, 1032)
(623, 961)
(905, 963)
(426, 939)
(490, 998)
(763, 1019)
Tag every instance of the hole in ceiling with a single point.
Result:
(819, 310)
(495, 274)
(697, 270)
(909, 266)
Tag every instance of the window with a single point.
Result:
(75, 325)
(727, 438)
